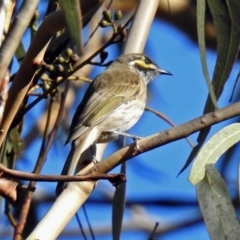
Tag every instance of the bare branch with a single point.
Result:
(9, 173)
(167, 136)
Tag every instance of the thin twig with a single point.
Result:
(96, 28)
(58, 178)
(44, 95)
(9, 214)
(81, 227)
(151, 237)
(76, 78)
(110, 4)
(234, 87)
(45, 147)
(88, 223)
(159, 114)
(28, 199)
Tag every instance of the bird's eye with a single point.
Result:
(147, 61)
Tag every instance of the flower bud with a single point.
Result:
(50, 67)
(104, 23)
(61, 59)
(107, 16)
(60, 68)
(44, 77)
(46, 85)
(69, 52)
(117, 15)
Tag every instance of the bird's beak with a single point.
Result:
(161, 71)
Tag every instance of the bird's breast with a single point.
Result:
(126, 115)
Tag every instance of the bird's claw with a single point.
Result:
(137, 147)
(134, 137)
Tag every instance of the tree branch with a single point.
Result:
(165, 137)
(9, 173)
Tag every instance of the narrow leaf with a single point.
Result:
(216, 206)
(201, 8)
(222, 23)
(227, 21)
(73, 18)
(20, 52)
(17, 144)
(213, 149)
(233, 51)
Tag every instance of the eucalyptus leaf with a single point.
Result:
(201, 8)
(20, 52)
(213, 149)
(73, 18)
(16, 141)
(233, 51)
(216, 207)
(226, 18)
(221, 20)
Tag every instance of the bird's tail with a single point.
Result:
(74, 157)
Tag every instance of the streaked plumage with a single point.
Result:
(114, 101)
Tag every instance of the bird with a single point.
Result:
(112, 104)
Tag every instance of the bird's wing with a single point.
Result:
(103, 96)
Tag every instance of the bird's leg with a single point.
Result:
(93, 151)
(134, 137)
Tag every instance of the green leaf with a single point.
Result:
(221, 19)
(17, 144)
(73, 18)
(226, 18)
(216, 206)
(213, 149)
(201, 8)
(20, 52)
(233, 51)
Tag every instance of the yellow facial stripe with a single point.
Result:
(141, 64)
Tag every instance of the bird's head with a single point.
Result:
(142, 65)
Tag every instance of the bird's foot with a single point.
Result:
(95, 161)
(137, 147)
(94, 158)
(134, 137)
(124, 134)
